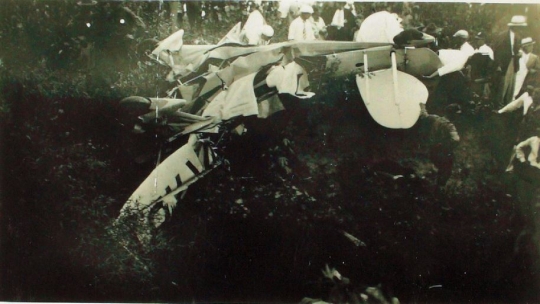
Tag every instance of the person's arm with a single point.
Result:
(454, 61)
(292, 29)
(514, 105)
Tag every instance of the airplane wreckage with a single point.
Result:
(223, 82)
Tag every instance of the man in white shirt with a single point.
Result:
(481, 64)
(454, 82)
(302, 28)
(528, 64)
(252, 31)
(481, 46)
(319, 25)
(506, 49)
(462, 37)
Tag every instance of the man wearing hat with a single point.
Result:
(256, 31)
(266, 34)
(481, 65)
(462, 37)
(530, 63)
(481, 46)
(434, 31)
(302, 28)
(320, 25)
(506, 50)
(340, 27)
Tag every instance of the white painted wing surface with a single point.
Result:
(380, 103)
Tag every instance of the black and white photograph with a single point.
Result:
(269, 151)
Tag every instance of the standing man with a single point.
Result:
(302, 28)
(481, 46)
(320, 26)
(529, 64)
(506, 48)
(252, 32)
(342, 23)
(481, 67)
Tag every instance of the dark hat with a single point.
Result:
(480, 35)
(453, 108)
(432, 29)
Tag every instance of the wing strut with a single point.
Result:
(396, 84)
(366, 77)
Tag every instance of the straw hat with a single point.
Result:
(518, 20)
(527, 41)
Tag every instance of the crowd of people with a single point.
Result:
(342, 21)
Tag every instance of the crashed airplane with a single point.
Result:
(216, 84)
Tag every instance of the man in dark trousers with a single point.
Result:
(506, 47)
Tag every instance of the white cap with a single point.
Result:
(306, 9)
(267, 30)
(462, 34)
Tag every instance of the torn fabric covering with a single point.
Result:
(169, 45)
(220, 80)
(167, 180)
(291, 79)
(188, 92)
(172, 43)
(238, 100)
(239, 68)
(252, 63)
(270, 106)
(233, 35)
